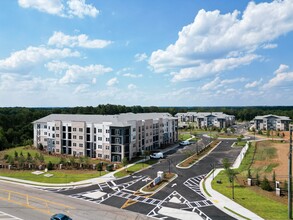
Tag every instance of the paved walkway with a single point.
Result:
(225, 204)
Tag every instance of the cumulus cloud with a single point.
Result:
(112, 82)
(131, 75)
(26, 59)
(213, 67)
(215, 38)
(140, 57)
(253, 84)
(75, 73)
(131, 86)
(62, 8)
(217, 83)
(60, 39)
(270, 46)
(282, 78)
(82, 88)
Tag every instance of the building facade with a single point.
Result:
(205, 119)
(107, 137)
(271, 122)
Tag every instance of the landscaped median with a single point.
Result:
(150, 188)
(190, 161)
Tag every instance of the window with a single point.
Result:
(53, 128)
(57, 150)
(74, 129)
(38, 126)
(88, 130)
(57, 128)
(107, 139)
(53, 135)
(80, 137)
(99, 130)
(45, 133)
(133, 129)
(69, 129)
(100, 155)
(100, 138)
(57, 135)
(80, 145)
(107, 157)
(95, 138)
(57, 142)
(45, 139)
(107, 130)
(74, 137)
(95, 130)
(80, 130)
(100, 147)
(74, 144)
(107, 147)
(64, 128)
(45, 126)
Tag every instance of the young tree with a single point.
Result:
(125, 161)
(265, 184)
(231, 174)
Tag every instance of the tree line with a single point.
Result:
(16, 122)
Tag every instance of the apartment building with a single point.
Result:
(271, 122)
(205, 119)
(107, 137)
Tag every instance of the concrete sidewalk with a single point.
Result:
(225, 204)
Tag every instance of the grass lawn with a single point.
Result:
(263, 206)
(134, 168)
(183, 137)
(59, 176)
(25, 150)
(240, 144)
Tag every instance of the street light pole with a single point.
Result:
(290, 177)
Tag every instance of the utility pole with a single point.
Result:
(290, 177)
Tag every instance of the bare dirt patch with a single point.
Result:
(271, 156)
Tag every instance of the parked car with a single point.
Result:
(158, 155)
(60, 216)
(184, 143)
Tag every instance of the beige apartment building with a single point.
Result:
(107, 137)
(271, 122)
(205, 119)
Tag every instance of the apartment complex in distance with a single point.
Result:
(108, 137)
(206, 119)
(271, 122)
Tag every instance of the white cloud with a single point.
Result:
(214, 38)
(217, 83)
(253, 84)
(282, 78)
(72, 8)
(75, 73)
(131, 86)
(60, 39)
(82, 88)
(270, 46)
(282, 68)
(214, 67)
(140, 57)
(112, 82)
(131, 75)
(54, 7)
(28, 58)
(80, 9)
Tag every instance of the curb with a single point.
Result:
(177, 166)
(161, 187)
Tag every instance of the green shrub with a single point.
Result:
(265, 184)
(50, 165)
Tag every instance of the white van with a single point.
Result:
(158, 155)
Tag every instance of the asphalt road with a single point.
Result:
(181, 194)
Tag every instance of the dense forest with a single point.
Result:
(16, 123)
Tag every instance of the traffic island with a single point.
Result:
(158, 183)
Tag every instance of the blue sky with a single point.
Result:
(146, 52)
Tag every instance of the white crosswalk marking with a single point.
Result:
(5, 216)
